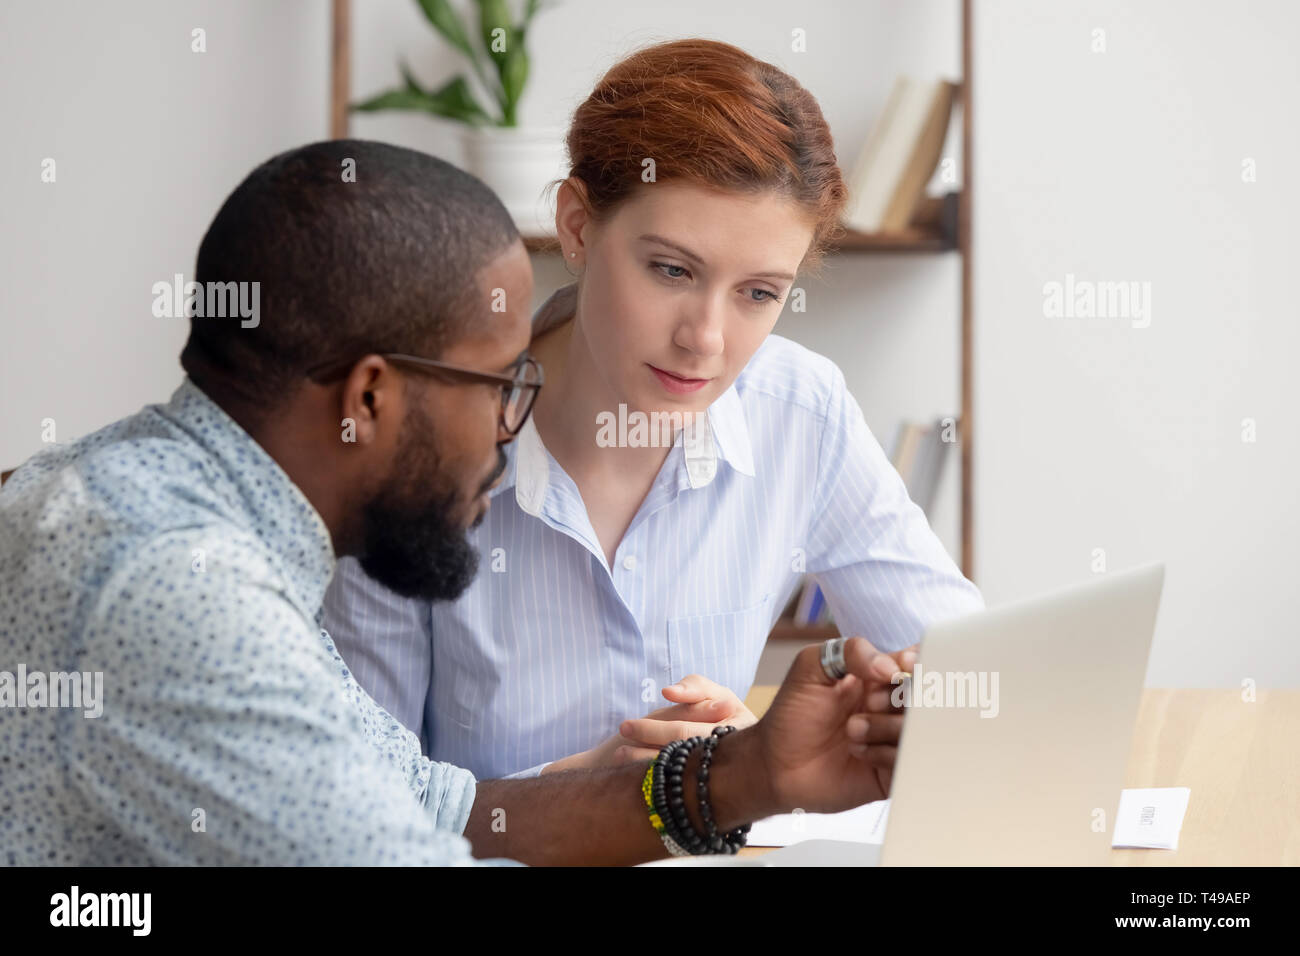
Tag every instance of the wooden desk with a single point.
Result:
(1241, 761)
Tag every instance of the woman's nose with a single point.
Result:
(701, 330)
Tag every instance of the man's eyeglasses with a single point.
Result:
(518, 391)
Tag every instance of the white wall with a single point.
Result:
(148, 138)
(1113, 166)
(1122, 165)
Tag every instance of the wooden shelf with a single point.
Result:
(933, 229)
(542, 244)
(787, 630)
(938, 235)
(913, 240)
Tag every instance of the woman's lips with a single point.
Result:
(676, 383)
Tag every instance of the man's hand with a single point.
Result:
(821, 746)
(699, 706)
(827, 746)
(880, 699)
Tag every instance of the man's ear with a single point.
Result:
(371, 401)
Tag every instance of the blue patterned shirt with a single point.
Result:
(552, 648)
(169, 554)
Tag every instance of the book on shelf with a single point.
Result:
(920, 451)
(888, 180)
(811, 607)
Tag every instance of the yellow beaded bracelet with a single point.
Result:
(647, 787)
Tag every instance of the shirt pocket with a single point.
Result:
(458, 688)
(724, 647)
(466, 700)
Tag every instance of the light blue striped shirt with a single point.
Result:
(551, 649)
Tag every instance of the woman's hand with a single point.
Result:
(698, 706)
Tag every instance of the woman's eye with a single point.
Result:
(682, 271)
(764, 296)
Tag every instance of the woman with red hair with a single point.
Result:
(684, 467)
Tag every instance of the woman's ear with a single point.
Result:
(572, 214)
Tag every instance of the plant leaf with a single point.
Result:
(457, 95)
(493, 15)
(530, 10)
(446, 22)
(412, 84)
(392, 100)
(452, 101)
(514, 74)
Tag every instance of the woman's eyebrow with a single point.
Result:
(651, 237)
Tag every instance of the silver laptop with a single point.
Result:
(1018, 733)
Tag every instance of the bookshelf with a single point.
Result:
(947, 231)
(938, 233)
(950, 232)
(910, 240)
(919, 240)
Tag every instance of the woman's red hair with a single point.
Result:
(709, 114)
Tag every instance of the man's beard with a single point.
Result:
(410, 541)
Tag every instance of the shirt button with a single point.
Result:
(630, 562)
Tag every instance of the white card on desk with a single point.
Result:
(1150, 818)
(864, 824)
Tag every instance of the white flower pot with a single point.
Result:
(517, 163)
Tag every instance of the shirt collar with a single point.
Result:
(727, 423)
(278, 512)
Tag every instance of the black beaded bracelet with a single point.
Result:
(659, 796)
(675, 757)
(732, 840)
(669, 798)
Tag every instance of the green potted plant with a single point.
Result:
(515, 161)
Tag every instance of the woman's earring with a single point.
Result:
(576, 275)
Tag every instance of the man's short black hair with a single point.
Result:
(386, 263)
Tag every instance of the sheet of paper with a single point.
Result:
(864, 824)
(1150, 818)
